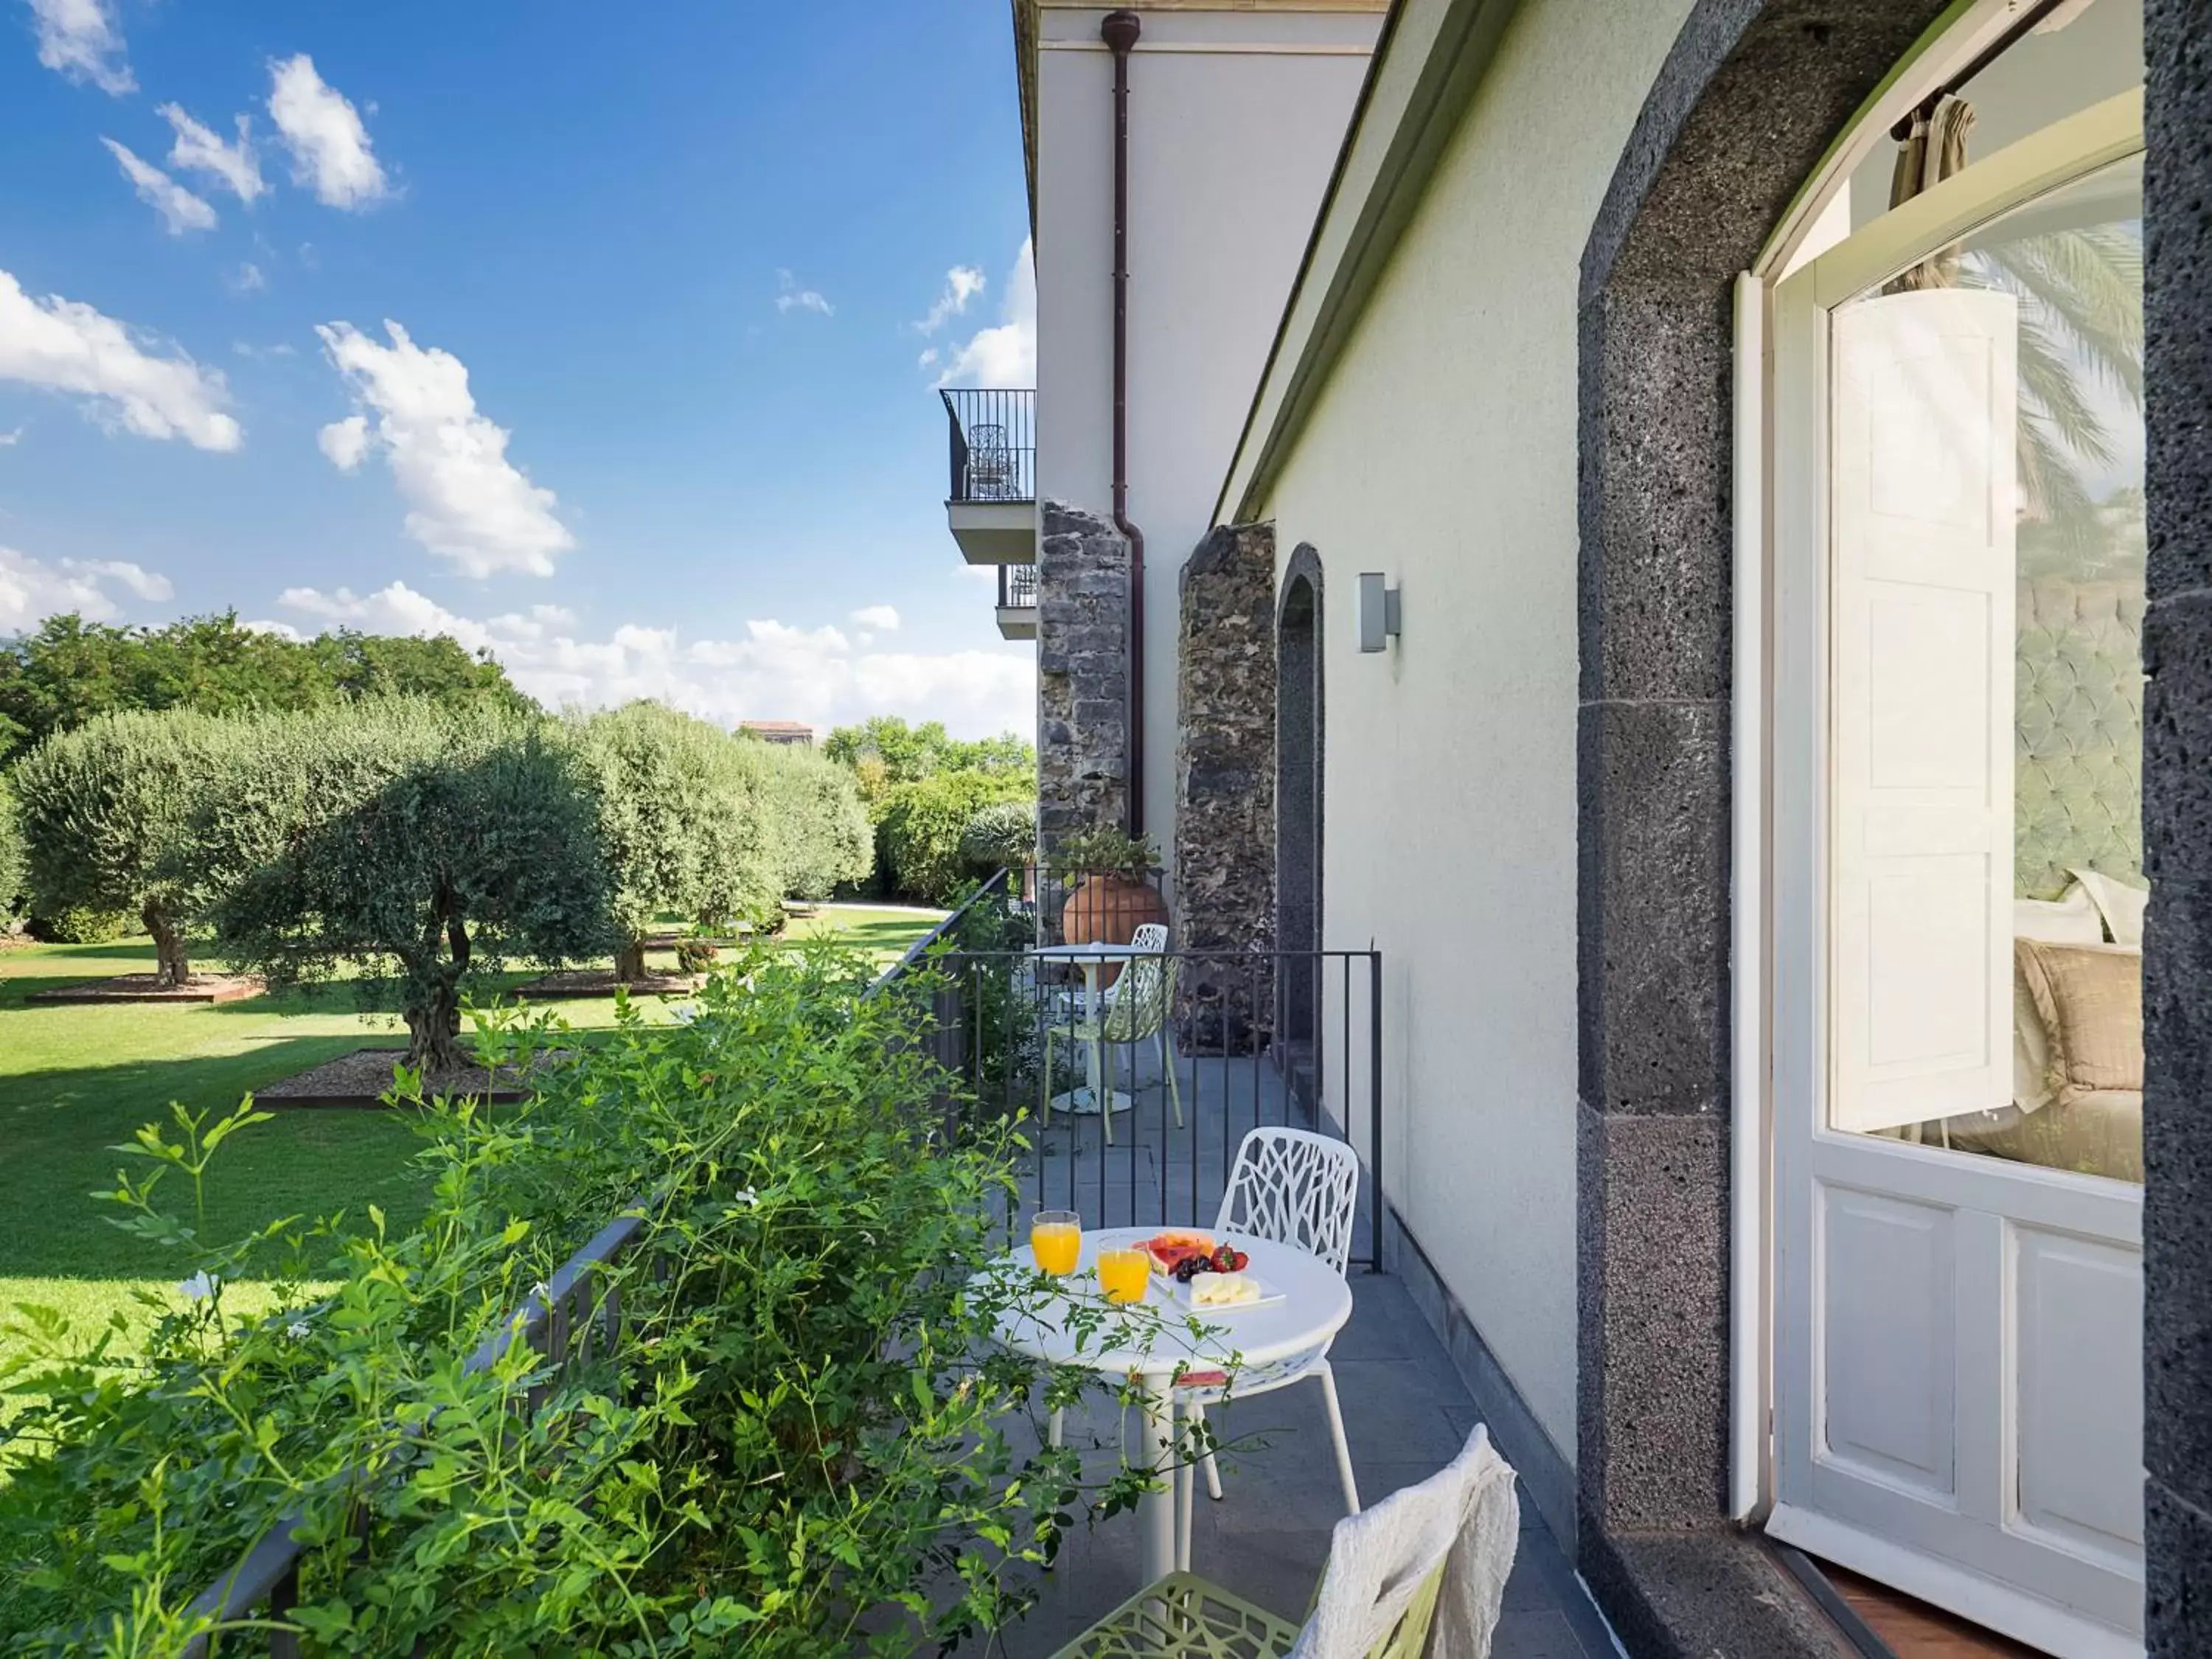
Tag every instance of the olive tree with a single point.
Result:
(681, 818)
(422, 846)
(820, 820)
(106, 812)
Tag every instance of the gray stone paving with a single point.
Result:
(1405, 1414)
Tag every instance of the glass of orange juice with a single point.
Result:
(1124, 1273)
(1056, 1240)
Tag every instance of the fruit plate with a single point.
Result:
(1268, 1297)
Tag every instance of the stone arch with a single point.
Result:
(1749, 98)
(1300, 720)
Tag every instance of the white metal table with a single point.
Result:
(1317, 1302)
(1093, 959)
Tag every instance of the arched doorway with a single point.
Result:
(1298, 723)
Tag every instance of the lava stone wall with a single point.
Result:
(1083, 675)
(1224, 769)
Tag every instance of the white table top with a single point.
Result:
(1097, 951)
(1317, 1301)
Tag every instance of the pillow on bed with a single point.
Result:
(2089, 999)
(2070, 919)
(2121, 904)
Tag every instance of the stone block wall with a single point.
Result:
(1224, 833)
(1083, 675)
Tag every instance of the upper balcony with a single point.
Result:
(992, 506)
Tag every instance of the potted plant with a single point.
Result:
(1111, 898)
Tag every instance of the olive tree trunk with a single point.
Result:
(173, 963)
(434, 1008)
(629, 961)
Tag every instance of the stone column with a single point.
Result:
(1224, 833)
(1083, 675)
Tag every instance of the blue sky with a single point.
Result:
(681, 258)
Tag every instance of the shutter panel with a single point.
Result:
(1922, 501)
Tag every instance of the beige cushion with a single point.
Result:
(2070, 919)
(2089, 998)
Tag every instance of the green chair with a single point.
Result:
(1433, 1556)
(1140, 1010)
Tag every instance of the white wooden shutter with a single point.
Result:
(1922, 504)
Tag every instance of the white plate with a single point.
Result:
(1267, 1297)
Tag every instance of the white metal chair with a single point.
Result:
(1069, 1000)
(1141, 1009)
(1423, 1571)
(1288, 1187)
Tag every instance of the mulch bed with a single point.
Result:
(148, 987)
(361, 1077)
(602, 982)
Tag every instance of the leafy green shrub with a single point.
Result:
(923, 822)
(80, 927)
(106, 810)
(1000, 836)
(422, 846)
(11, 852)
(795, 1440)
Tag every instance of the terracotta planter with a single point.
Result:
(1109, 909)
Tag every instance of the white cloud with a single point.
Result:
(345, 442)
(202, 150)
(259, 352)
(146, 584)
(10, 438)
(927, 359)
(31, 590)
(65, 345)
(179, 208)
(329, 144)
(773, 672)
(789, 296)
(78, 40)
(961, 284)
(246, 279)
(881, 618)
(1006, 355)
(466, 501)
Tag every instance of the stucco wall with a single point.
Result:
(1443, 452)
(1235, 119)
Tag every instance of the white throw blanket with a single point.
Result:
(1466, 1516)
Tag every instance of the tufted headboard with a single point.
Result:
(2078, 755)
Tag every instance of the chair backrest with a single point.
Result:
(1143, 997)
(1149, 936)
(1293, 1186)
(1431, 1557)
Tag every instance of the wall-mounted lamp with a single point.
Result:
(1378, 611)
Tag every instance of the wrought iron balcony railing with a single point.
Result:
(1017, 585)
(994, 433)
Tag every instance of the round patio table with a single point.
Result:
(1317, 1301)
(1092, 960)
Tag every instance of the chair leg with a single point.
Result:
(1170, 1061)
(1186, 1478)
(1206, 1459)
(1046, 1090)
(1336, 1436)
(1103, 1056)
(1052, 1429)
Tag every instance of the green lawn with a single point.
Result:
(77, 1079)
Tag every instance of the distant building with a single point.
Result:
(796, 732)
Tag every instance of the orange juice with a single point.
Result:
(1123, 1275)
(1056, 1240)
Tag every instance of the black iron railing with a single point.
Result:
(1241, 1056)
(1017, 586)
(574, 1313)
(994, 432)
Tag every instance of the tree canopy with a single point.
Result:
(67, 670)
(887, 751)
(106, 809)
(428, 845)
(12, 852)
